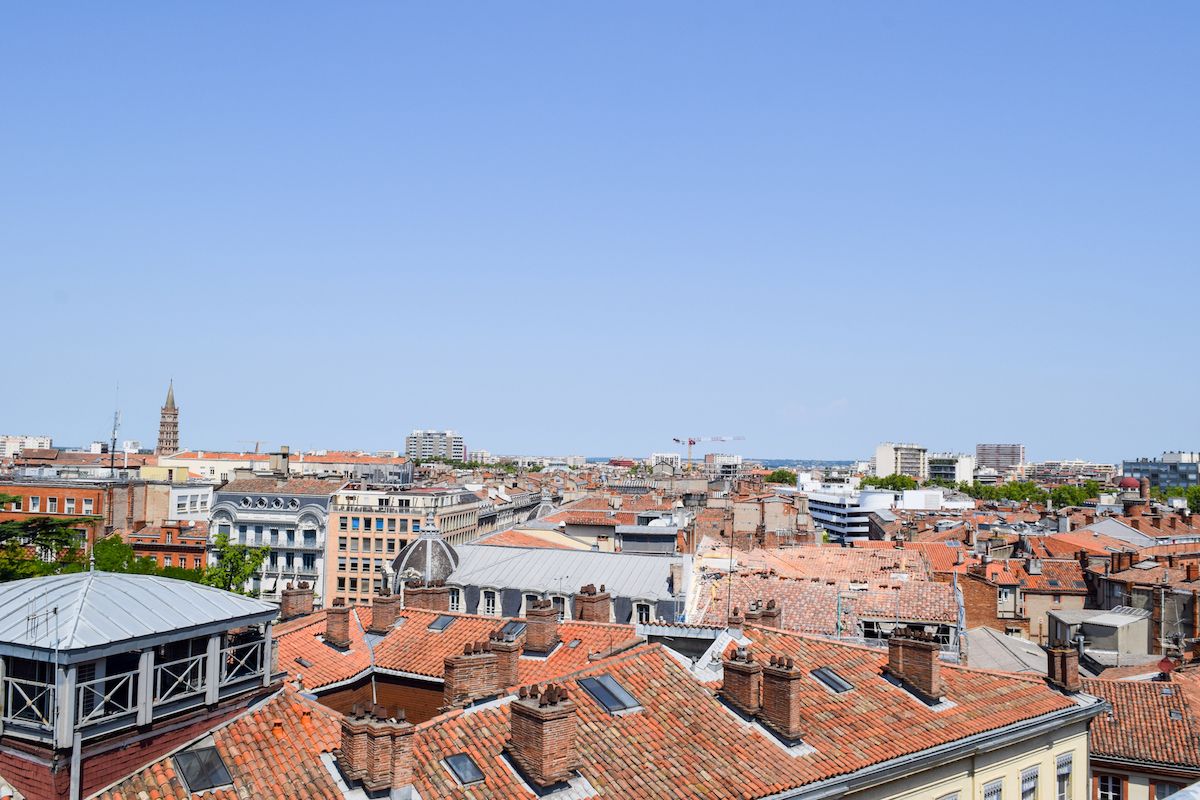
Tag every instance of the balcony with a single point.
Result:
(351, 509)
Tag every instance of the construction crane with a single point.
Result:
(693, 440)
(256, 442)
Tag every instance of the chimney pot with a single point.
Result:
(542, 741)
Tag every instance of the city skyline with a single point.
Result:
(592, 231)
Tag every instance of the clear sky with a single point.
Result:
(588, 228)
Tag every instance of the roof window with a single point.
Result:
(513, 629)
(441, 623)
(608, 693)
(834, 682)
(202, 769)
(464, 768)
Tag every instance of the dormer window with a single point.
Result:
(201, 769)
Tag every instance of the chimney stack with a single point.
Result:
(592, 605)
(782, 697)
(541, 627)
(296, 601)
(1062, 668)
(754, 612)
(507, 647)
(772, 615)
(1192, 571)
(376, 749)
(471, 675)
(543, 734)
(913, 657)
(384, 609)
(337, 624)
(742, 684)
(1144, 489)
(734, 623)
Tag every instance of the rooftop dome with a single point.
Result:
(429, 558)
(1128, 483)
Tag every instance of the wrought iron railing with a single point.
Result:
(106, 698)
(29, 702)
(241, 661)
(182, 678)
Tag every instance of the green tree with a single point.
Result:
(897, 483)
(38, 545)
(114, 554)
(782, 476)
(235, 563)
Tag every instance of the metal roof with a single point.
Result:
(563, 571)
(87, 610)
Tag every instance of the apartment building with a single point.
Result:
(172, 544)
(1173, 470)
(1071, 471)
(352, 465)
(288, 515)
(370, 524)
(953, 467)
(844, 512)
(1003, 458)
(901, 459)
(59, 499)
(13, 445)
(435, 444)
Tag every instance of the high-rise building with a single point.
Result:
(953, 467)
(1000, 457)
(168, 425)
(435, 444)
(11, 446)
(901, 459)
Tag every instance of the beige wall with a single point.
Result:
(1036, 607)
(968, 776)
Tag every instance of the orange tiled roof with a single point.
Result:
(303, 638)
(1141, 727)
(517, 538)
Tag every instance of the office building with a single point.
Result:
(1174, 470)
(435, 444)
(13, 445)
(843, 511)
(953, 467)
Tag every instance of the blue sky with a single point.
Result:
(590, 228)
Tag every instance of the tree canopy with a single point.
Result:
(781, 476)
(235, 563)
(897, 483)
(39, 545)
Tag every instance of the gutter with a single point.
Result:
(946, 753)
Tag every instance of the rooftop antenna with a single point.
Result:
(112, 447)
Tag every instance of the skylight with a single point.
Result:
(465, 770)
(441, 623)
(304, 662)
(202, 768)
(608, 693)
(835, 683)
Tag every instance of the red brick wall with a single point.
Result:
(979, 603)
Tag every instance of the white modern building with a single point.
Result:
(13, 445)
(901, 459)
(672, 460)
(842, 511)
(435, 444)
(190, 502)
(722, 465)
(953, 467)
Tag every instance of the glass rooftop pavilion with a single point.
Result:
(92, 653)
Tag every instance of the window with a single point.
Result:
(951, 796)
(341, 523)
(341, 584)
(464, 769)
(642, 610)
(456, 599)
(529, 600)
(1062, 777)
(379, 523)
(379, 545)
(834, 682)
(489, 603)
(608, 693)
(354, 584)
(52, 502)
(181, 506)
(342, 544)
(88, 505)
(993, 790)
(202, 769)
(1165, 790)
(560, 605)
(391, 526)
(1029, 784)
(195, 562)
(70, 505)
(310, 560)
(35, 504)
(354, 521)
(1109, 787)
(391, 545)
(353, 544)
(166, 561)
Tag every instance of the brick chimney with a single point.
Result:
(1062, 668)
(592, 605)
(754, 612)
(376, 749)
(437, 597)
(507, 648)
(1136, 522)
(543, 734)
(471, 675)
(415, 596)
(913, 658)
(296, 601)
(1144, 488)
(733, 624)
(742, 685)
(384, 608)
(1191, 571)
(782, 699)
(541, 627)
(337, 623)
(772, 614)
